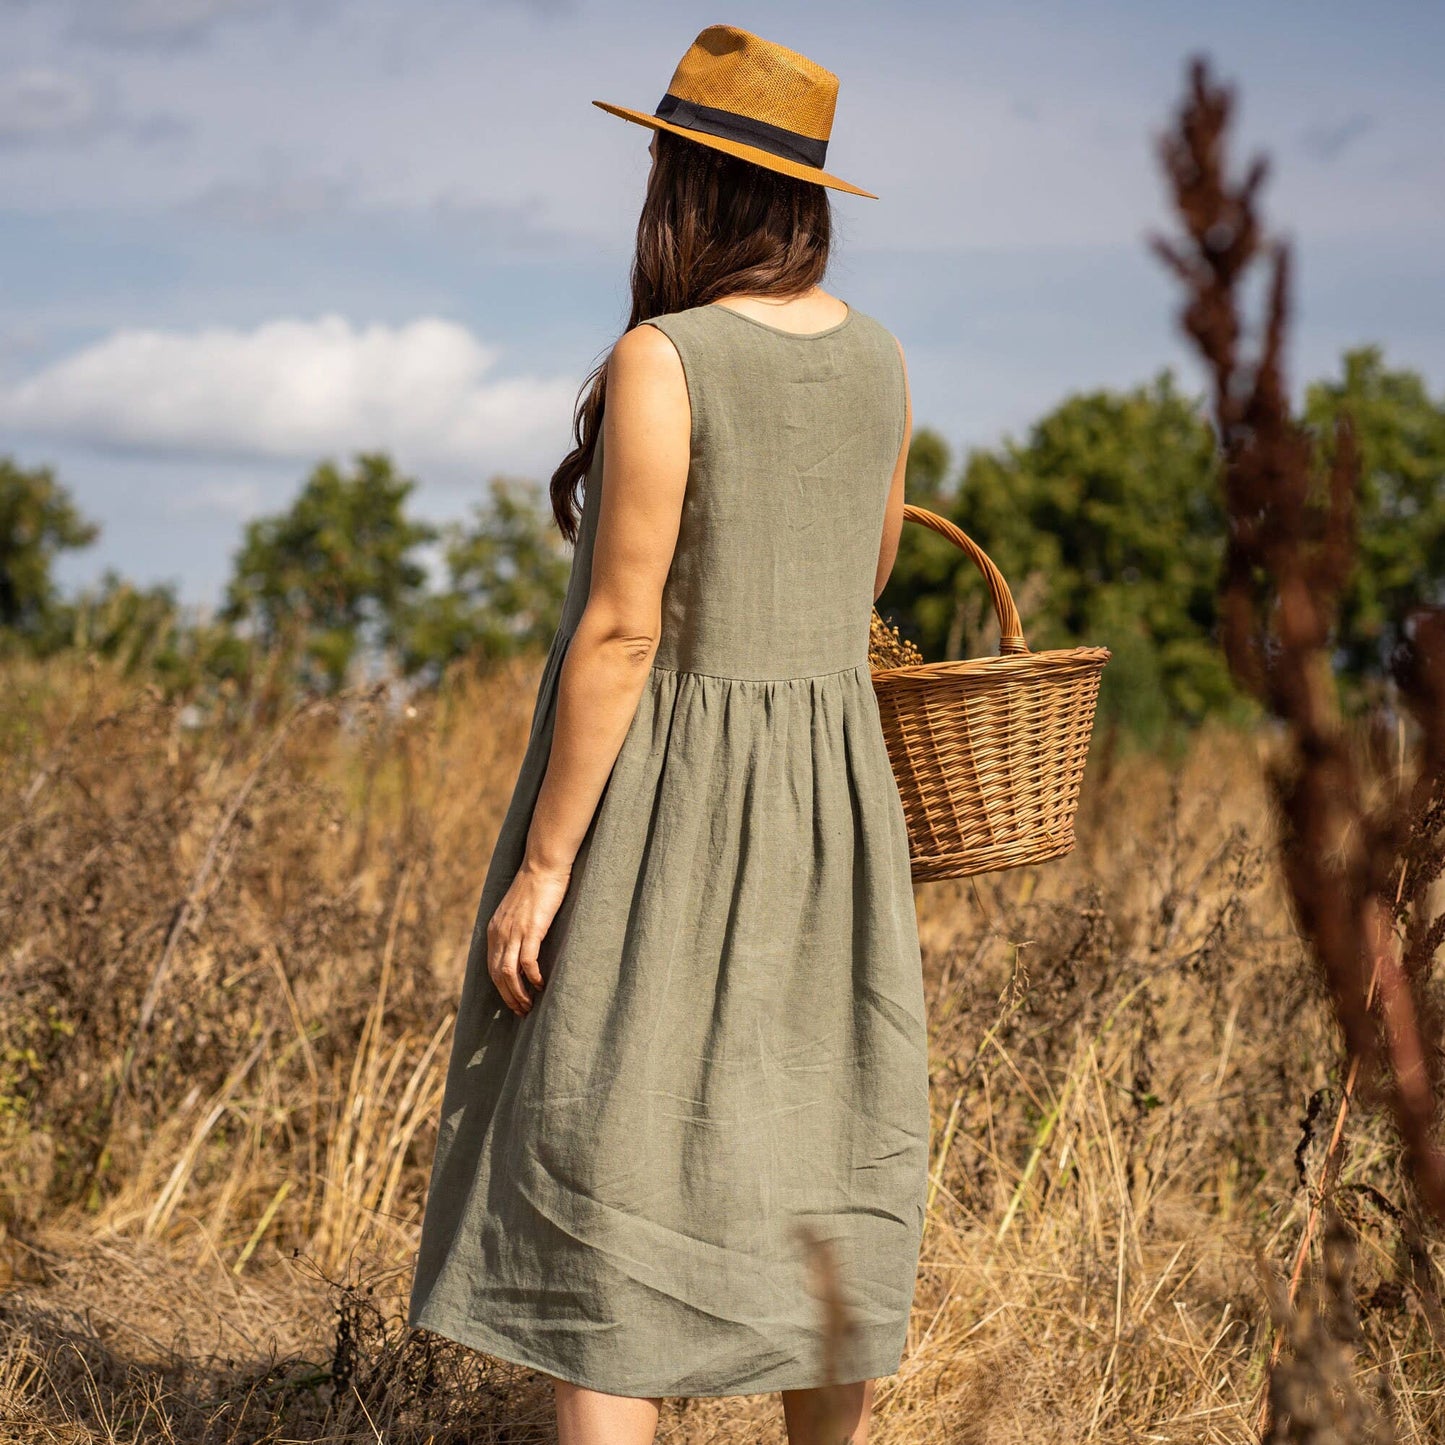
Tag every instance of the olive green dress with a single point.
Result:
(731, 1040)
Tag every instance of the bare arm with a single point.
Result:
(647, 428)
(893, 512)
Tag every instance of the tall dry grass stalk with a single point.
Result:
(1361, 844)
(374, 1123)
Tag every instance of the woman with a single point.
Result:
(691, 1032)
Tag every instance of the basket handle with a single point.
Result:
(1010, 629)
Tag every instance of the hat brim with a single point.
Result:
(740, 149)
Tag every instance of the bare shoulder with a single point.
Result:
(646, 378)
(646, 350)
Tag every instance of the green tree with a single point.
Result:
(38, 519)
(1105, 524)
(1401, 435)
(138, 627)
(507, 570)
(146, 630)
(335, 572)
(918, 592)
(925, 479)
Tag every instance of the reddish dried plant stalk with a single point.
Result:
(1359, 872)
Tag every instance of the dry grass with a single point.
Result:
(1125, 1046)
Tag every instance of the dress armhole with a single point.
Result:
(663, 324)
(896, 348)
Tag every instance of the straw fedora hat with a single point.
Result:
(739, 93)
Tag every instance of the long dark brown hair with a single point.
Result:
(712, 225)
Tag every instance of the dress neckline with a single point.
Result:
(781, 331)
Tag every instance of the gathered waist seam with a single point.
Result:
(734, 677)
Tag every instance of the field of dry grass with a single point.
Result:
(230, 954)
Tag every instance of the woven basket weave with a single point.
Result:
(989, 753)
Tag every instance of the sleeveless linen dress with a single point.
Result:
(731, 1040)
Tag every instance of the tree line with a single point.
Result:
(1104, 517)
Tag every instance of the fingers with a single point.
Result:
(512, 974)
(502, 954)
(529, 963)
(505, 978)
(515, 933)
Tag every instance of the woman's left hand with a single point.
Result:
(517, 928)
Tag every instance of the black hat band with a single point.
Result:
(730, 125)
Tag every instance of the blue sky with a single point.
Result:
(240, 235)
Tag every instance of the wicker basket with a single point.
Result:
(989, 753)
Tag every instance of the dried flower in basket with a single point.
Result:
(887, 648)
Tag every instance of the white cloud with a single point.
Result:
(231, 499)
(299, 389)
(1328, 141)
(45, 105)
(279, 197)
(279, 201)
(162, 21)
